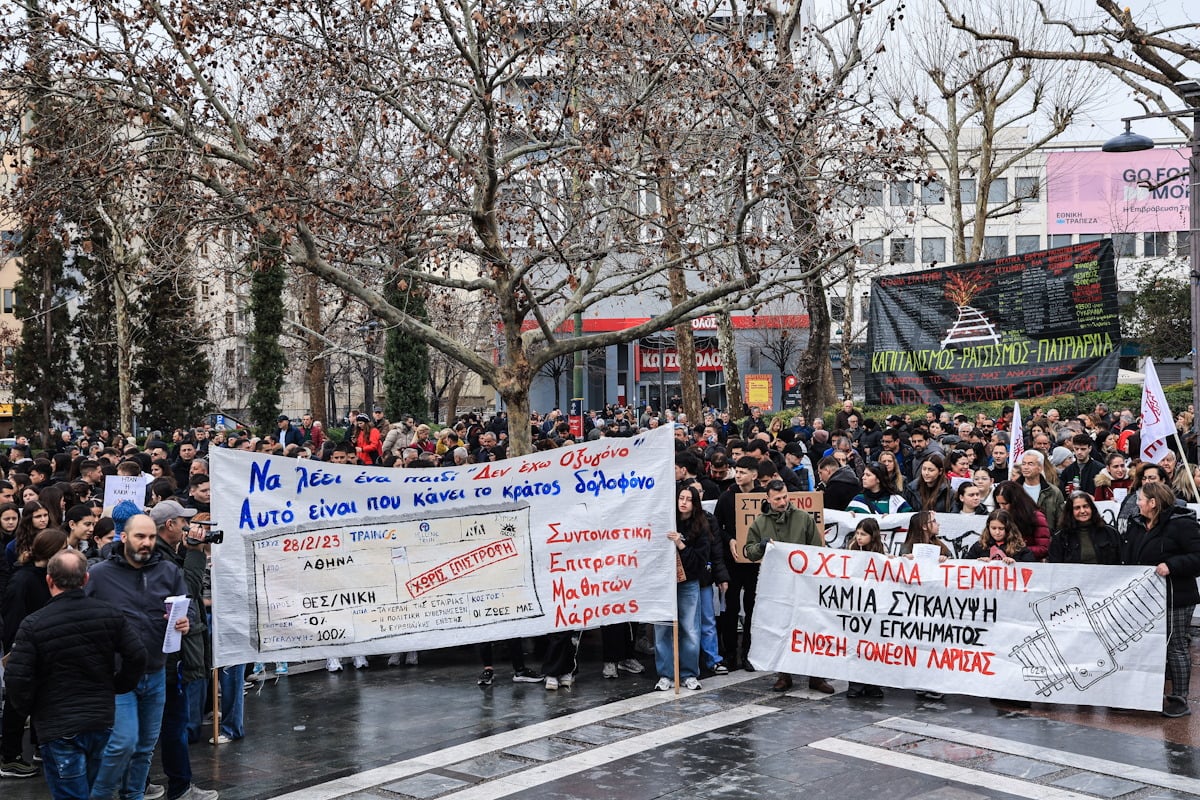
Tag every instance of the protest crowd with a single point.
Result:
(90, 695)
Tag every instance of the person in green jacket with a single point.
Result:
(783, 522)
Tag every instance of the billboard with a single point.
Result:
(1031, 325)
(1093, 192)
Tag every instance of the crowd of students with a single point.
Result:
(1041, 508)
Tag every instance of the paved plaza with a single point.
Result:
(429, 732)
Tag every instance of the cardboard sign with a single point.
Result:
(749, 506)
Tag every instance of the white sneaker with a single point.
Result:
(691, 683)
(631, 665)
(551, 683)
(610, 669)
(566, 680)
(664, 685)
(221, 739)
(333, 664)
(154, 791)
(196, 793)
(394, 660)
(360, 662)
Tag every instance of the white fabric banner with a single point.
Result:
(1016, 438)
(321, 560)
(1051, 633)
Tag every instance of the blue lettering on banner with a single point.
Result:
(599, 482)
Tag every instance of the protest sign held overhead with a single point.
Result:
(1031, 325)
(1054, 633)
(323, 560)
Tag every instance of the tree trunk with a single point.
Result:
(814, 369)
(124, 348)
(456, 387)
(315, 368)
(848, 334)
(685, 342)
(729, 365)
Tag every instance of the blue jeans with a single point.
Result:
(233, 700)
(708, 628)
(72, 762)
(688, 601)
(197, 694)
(176, 761)
(126, 761)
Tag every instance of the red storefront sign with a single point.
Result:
(652, 360)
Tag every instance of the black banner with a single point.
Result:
(1032, 325)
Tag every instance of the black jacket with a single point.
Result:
(26, 593)
(195, 653)
(1065, 549)
(944, 500)
(841, 488)
(68, 662)
(1174, 541)
(140, 593)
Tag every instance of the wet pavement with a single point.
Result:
(395, 733)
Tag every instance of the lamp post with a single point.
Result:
(367, 330)
(1130, 142)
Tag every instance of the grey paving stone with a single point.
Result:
(950, 793)
(426, 785)
(880, 737)
(1099, 785)
(801, 766)
(544, 749)
(944, 751)
(596, 734)
(488, 766)
(643, 720)
(1019, 767)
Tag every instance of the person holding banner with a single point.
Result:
(1167, 537)
(691, 542)
(783, 522)
(1084, 537)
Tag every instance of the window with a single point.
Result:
(837, 308)
(1029, 188)
(10, 300)
(1085, 238)
(204, 290)
(1028, 244)
(230, 359)
(1156, 244)
(1060, 239)
(10, 357)
(933, 249)
(1182, 248)
(966, 190)
(229, 323)
(229, 282)
(9, 242)
(872, 193)
(902, 193)
(995, 247)
(1124, 244)
(872, 251)
(933, 193)
(998, 191)
(902, 251)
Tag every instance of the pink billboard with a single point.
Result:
(1096, 192)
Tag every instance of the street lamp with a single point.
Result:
(1130, 142)
(367, 331)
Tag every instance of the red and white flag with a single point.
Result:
(1016, 440)
(1157, 422)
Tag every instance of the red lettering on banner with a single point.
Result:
(818, 644)
(895, 655)
(958, 659)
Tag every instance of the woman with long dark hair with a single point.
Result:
(1083, 537)
(691, 541)
(1166, 536)
(1001, 540)
(34, 519)
(1026, 516)
(930, 491)
(876, 496)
